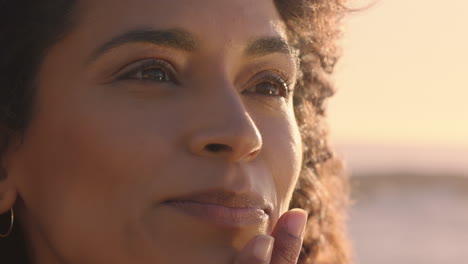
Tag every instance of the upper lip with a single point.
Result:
(227, 199)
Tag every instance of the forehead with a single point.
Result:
(227, 20)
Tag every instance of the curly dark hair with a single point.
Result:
(322, 190)
(28, 28)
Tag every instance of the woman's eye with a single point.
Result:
(150, 70)
(267, 88)
(272, 86)
(154, 74)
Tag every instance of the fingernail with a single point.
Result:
(296, 224)
(263, 247)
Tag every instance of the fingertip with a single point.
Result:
(296, 222)
(298, 211)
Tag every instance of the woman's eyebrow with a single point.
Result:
(173, 38)
(185, 41)
(267, 45)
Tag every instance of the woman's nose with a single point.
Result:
(227, 131)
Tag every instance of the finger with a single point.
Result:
(256, 251)
(288, 234)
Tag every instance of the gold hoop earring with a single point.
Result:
(10, 228)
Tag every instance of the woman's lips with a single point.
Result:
(222, 215)
(224, 208)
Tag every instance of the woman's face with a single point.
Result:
(163, 132)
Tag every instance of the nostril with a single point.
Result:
(218, 148)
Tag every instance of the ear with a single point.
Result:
(8, 191)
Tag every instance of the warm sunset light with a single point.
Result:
(400, 121)
(403, 78)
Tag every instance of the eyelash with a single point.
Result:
(271, 77)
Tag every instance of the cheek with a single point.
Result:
(283, 153)
(92, 167)
(291, 165)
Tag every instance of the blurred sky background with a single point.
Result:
(400, 120)
(403, 77)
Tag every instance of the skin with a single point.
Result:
(105, 148)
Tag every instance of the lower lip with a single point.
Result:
(222, 215)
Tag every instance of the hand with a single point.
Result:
(282, 247)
